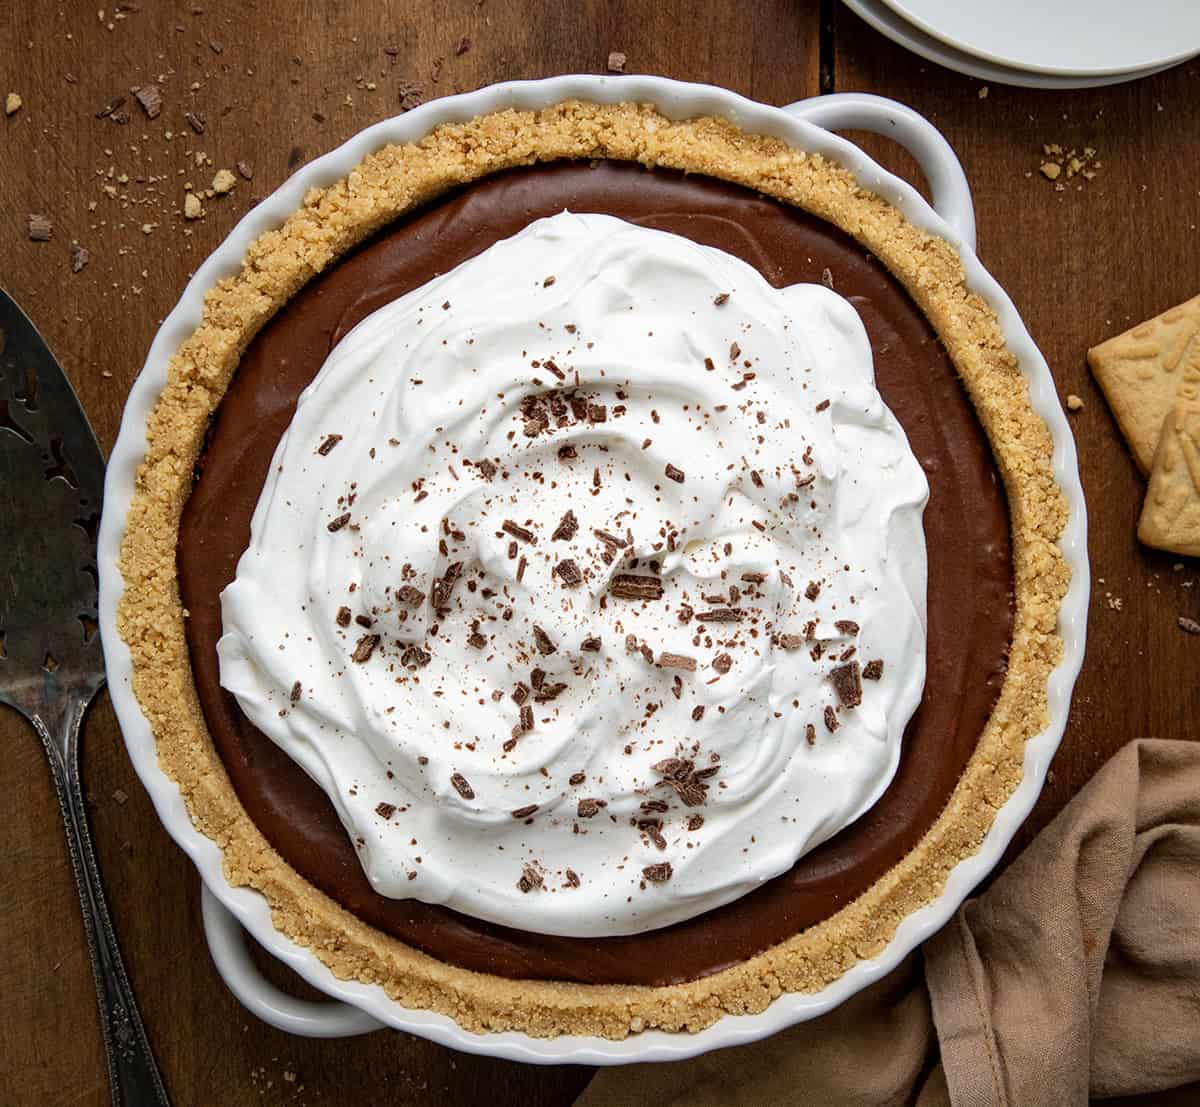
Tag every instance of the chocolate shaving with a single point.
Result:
(677, 661)
(415, 658)
(195, 120)
(689, 783)
(592, 644)
(520, 693)
(549, 692)
(735, 351)
(566, 529)
(847, 683)
(522, 565)
(609, 539)
(343, 616)
(487, 468)
(697, 712)
(385, 810)
(655, 805)
(658, 874)
(831, 719)
(526, 717)
(587, 808)
(674, 473)
(461, 786)
(476, 640)
(567, 453)
(410, 596)
(80, 256)
(873, 670)
(754, 578)
(633, 586)
(652, 828)
(439, 594)
(577, 778)
(822, 405)
(518, 531)
(721, 298)
(812, 591)
(791, 641)
(525, 812)
(695, 822)
(531, 877)
(545, 643)
(328, 444)
(365, 647)
(722, 663)
(337, 524)
(810, 734)
(720, 615)
(847, 626)
(295, 693)
(569, 572)
(685, 613)
(572, 879)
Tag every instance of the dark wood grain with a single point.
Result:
(280, 83)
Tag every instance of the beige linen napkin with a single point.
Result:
(1076, 973)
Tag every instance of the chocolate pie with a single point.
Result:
(592, 572)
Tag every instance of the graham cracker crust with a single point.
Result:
(331, 221)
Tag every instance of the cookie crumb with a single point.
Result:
(192, 208)
(983, 92)
(1188, 626)
(223, 182)
(1074, 403)
(1051, 170)
(80, 256)
(13, 103)
(616, 62)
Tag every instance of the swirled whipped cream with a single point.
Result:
(588, 581)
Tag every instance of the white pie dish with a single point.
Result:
(364, 1007)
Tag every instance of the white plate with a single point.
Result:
(1065, 38)
(802, 126)
(888, 22)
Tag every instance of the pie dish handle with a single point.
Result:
(227, 944)
(839, 111)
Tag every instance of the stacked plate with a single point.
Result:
(1035, 44)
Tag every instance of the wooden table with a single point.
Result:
(274, 84)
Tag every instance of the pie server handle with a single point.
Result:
(227, 944)
(860, 111)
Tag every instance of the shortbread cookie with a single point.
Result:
(1140, 372)
(1171, 516)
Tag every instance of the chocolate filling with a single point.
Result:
(966, 527)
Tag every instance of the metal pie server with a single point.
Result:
(51, 482)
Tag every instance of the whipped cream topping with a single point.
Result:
(588, 582)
